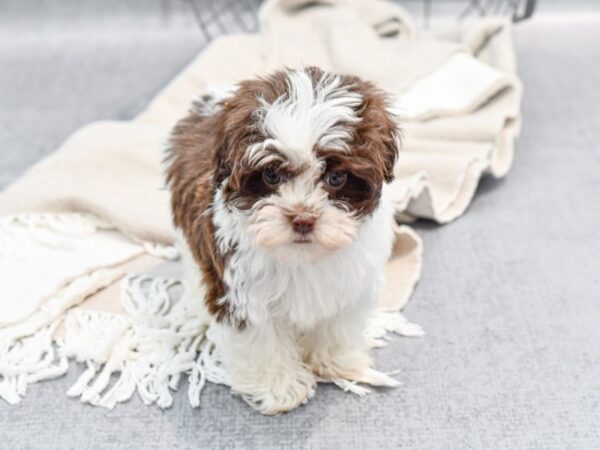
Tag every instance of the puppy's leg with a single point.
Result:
(265, 367)
(337, 349)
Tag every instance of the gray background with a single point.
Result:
(510, 293)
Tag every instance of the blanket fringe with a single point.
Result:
(145, 351)
(27, 353)
(381, 323)
(149, 348)
(47, 229)
(27, 361)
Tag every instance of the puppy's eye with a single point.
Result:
(336, 179)
(272, 177)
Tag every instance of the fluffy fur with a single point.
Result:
(279, 191)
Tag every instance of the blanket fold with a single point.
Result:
(97, 210)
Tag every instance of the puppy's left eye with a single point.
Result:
(336, 179)
(271, 176)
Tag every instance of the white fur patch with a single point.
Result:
(307, 116)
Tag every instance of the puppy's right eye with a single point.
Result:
(336, 179)
(272, 177)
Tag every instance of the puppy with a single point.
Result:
(279, 191)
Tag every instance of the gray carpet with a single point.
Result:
(510, 293)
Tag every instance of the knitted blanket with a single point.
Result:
(89, 271)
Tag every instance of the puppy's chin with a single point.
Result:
(271, 230)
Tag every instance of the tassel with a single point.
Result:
(383, 322)
(149, 349)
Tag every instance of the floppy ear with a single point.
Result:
(228, 124)
(212, 108)
(231, 132)
(390, 130)
(392, 145)
(221, 163)
(378, 124)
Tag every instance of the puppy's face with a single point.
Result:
(301, 160)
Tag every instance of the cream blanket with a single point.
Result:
(96, 211)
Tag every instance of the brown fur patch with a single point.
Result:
(191, 179)
(373, 150)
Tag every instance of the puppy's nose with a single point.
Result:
(303, 224)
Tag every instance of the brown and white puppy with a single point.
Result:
(280, 193)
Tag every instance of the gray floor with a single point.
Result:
(510, 293)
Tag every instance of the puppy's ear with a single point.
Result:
(221, 161)
(392, 144)
(381, 114)
(221, 137)
(232, 132)
(379, 125)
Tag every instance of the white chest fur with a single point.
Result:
(261, 287)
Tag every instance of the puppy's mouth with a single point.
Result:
(301, 239)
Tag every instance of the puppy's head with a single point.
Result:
(300, 159)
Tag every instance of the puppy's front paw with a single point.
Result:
(350, 365)
(276, 392)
